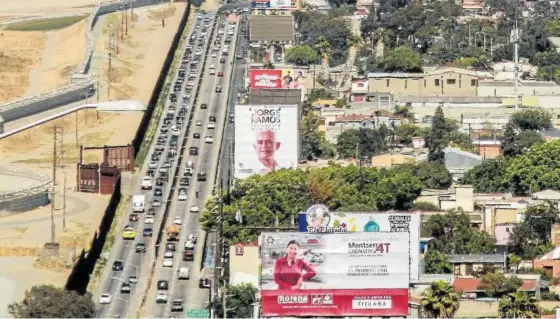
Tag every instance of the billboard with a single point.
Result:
(352, 274)
(318, 219)
(266, 138)
(287, 78)
(274, 4)
(244, 264)
(280, 4)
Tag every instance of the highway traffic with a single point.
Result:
(124, 281)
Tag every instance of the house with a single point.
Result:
(356, 121)
(457, 162)
(502, 233)
(466, 265)
(550, 135)
(502, 211)
(388, 160)
(488, 148)
(472, 6)
(441, 82)
(321, 103)
(549, 263)
(546, 195)
(469, 287)
(506, 88)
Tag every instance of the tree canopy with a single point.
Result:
(47, 301)
(432, 175)
(518, 305)
(532, 119)
(531, 237)
(496, 285)
(437, 263)
(534, 170)
(276, 198)
(402, 59)
(440, 300)
(436, 138)
(453, 234)
(363, 142)
(313, 142)
(239, 300)
(301, 55)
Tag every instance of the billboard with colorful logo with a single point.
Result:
(275, 4)
(277, 78)
(266, 138)
(352, 274)
(318, 219)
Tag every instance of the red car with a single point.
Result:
(133, 218)
(220, 74)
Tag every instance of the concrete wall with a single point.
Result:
(22, 204)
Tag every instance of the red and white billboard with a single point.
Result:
(352, 274)
(265, 79)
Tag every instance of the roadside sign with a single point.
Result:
(198, 313)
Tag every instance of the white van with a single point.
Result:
(190, 164)
(212, 69)
(183, 273)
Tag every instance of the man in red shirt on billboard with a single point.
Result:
(289, 271)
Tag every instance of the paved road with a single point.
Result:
(188, 291)
(138, 264)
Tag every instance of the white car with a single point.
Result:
(190, 82)
(168, 254)
(214, 55)
(156, 203)
(149, 220)
(153, 165)
(161, 297)
(192, 238)
(105, 299)
(182, 196)
(146, 182)
(194, 209)
(177, 220)
(168, 262)
(211, 126)
(198, 123)
(176, 132)
(209, 140)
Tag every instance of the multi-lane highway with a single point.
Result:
(162, 160)
(220, 58)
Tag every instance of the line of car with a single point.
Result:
(172, 122)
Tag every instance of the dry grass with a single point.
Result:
(45, 24)
(19, 53)
(164, 12)
(109, 21)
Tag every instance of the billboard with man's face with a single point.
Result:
(266, 138)
(352, 274)
(318, 219)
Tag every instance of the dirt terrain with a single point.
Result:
(14, 10)
(133, 77)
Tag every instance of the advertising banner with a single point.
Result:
(262, 4)
(352, 274)
(266, 138)
(318, 219)
(277, 78)
(280, 4)
(265, 79)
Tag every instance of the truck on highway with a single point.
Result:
(173, 232)
(138, 203)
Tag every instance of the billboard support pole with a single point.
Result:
(217, 269)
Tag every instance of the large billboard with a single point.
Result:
(274, 4)
(318, 219)
(287, 78)
(266, 138)
(353, 274)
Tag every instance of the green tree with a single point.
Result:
(509, 147)
(432, 175)
(301, 55)
(47, 301)
(402, 59)
(440, 300)
(363, 142)
(488, 177)
(275, 199)
(532, 119)
(239, 300)
(406, 131)
(531, 237)
(496, 285)
(518, 305)
(514, 261)
(453, 234)
(437, 263)
(535, 170)
(436, 138)
(313, 142)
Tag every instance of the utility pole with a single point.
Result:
(64, 203)
(57, 131)
(111, 42)
(76, 128)
(126, 18)
(224, 304)
(516, 61)
(122, 22)
(162, 16)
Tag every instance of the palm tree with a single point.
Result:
(518, 305)
(324, 49)
(440, 300)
